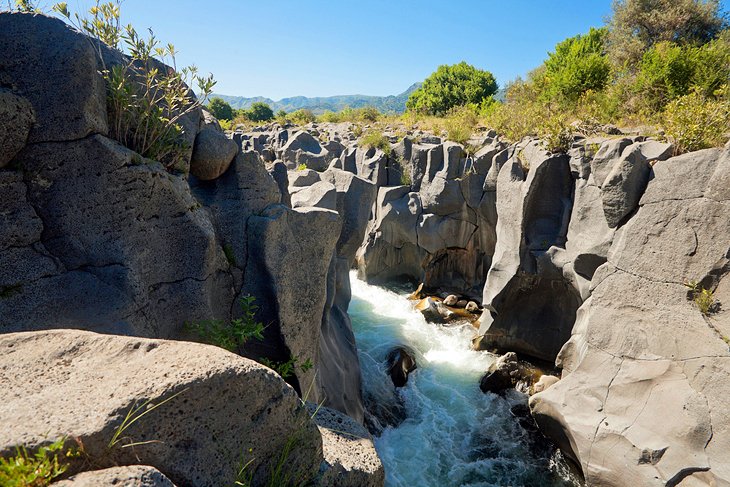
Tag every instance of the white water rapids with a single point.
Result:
(453, 434)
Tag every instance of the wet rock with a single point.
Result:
(545, 382)
(461, 303)
(451, 300)
(400, 362)
(505, 373)
(472, 307)
(434, 311)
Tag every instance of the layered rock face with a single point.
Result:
(95, 237)
(645, 374)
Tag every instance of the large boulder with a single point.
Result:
(303, 148)
(206, 411)
(212, 154)
(350, 459)
(132, 476)
(16, 120)
(321, 194)
(642, 400)
(624, 185)
(57, 70)
(92, 224)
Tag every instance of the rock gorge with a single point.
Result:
(578, 258)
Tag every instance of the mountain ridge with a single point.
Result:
(319, 104)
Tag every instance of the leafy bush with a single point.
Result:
(577, 66)
(375, 139)
(220, 109)
(259, 112)
(145, 98)
(460, 124)
(666, 73)
(302, 116)
(693, 122)
(234, 335)
(364, 114)
(34, 470)
(452, 86)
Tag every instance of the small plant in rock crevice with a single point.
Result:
(288, 368)
(147, 95)
(375, 140)
(231, 335)
(703, 298)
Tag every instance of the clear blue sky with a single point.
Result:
(280, 48)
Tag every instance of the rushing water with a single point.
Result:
(453, 434)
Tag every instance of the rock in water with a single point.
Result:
(400, 363)
(451, 300)
(505, 373)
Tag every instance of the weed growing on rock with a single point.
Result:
(134, 414)
(35, 470)
(147, 96)
(230, 256)
(375, 139)
(234, 335)
(703, 298)
(302, 167)
(693, 122)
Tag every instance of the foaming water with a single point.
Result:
(453, 434)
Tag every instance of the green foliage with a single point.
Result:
(375, 139)
(693, 122)
(364, 114)
(26, 6)
(405, 175)
(226, 124)
(302, 116)
(287, 369)
(556, 134)
(577, 66)
(234, 335)
(230, 256)
(302, 167)
(666, 73)
(34, 470)
(452, 86)
(637, 25)
(259, 112)
(220, 109)
(145, 98)
(703, 298)
(460, 123)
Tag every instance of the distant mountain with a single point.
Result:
(391, 103)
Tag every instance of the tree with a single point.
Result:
(452, 86)
(220, 109)
(578, 64)
(637, 25)
(259, 112)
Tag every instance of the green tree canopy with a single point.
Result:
(578, 64)
(452, 86)
(220, 109)
(259, 112)
(637, 25)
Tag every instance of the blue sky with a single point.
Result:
(280, 48)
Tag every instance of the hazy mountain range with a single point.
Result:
(391, 103)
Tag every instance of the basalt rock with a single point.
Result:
(400, 363)
(16, 120)
(132, 476)
(505, 373)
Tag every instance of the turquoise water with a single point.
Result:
(453, 434)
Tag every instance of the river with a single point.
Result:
(453, 434)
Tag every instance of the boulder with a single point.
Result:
(505, 373)
(321, 194)
(301, 178)
(545, 382)
(131, 476)
(57, 70)
(350, 459)
(213, 153)
(124, 241)
(624, 185)
(461, 303)
(400, 363)
(451, 300)
(303, 148)
(434, 311)
(205, 421)
(472, 307)
(16, 120)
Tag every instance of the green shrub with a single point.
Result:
(226, 124)
(375, 139)
(302, 167)
(405, 175)
(666, 73)
(703, 298)
(145, 99)
(693, 122)
(555, 133)
(577, 66)
(220, 109)
(234, 335)
(302, 116)
(259, 112)
(452, 86)
(460, 124)
(34, 470)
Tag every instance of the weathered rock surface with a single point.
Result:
(16, 120)
(350, 459)
(642, 397)
(57, 70)
(82, 385)
(212, 154)
(132, 476)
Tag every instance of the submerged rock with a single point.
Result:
(506, 373)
